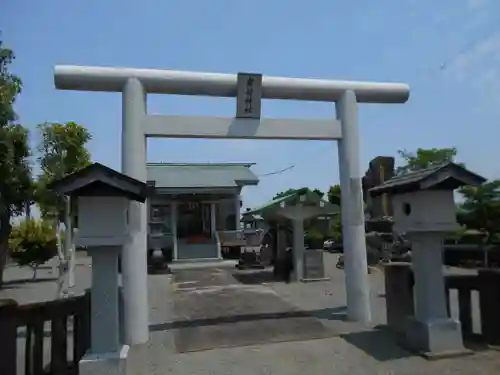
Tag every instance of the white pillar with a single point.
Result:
(353, 221)
(213, 226)
(237, 211)
(298, 248)
(104, 328)
(173, 226)
(134, 259)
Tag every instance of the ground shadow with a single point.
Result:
(255, 277)
(15, 265)
(159, 270)
(13, 283)
(45, 267)
(329, 313)
(11, 286)
(477, 343)
(382, 344)
(379, 343)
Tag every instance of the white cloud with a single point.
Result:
(477, 60)
(476, 65)
(476, 32)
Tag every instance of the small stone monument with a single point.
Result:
(314, 267)
(424, 209)
(103, 197)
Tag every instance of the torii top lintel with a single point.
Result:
(87, 78)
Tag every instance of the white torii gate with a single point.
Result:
(134, 84)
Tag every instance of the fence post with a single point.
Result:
(8, 337)
(398, 294)
(58, 342)
(81, 328)
(465, 311)
(86, 320)
(489, 302)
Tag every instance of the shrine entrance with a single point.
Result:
(249, 90)
(194, 220)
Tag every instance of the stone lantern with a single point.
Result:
(103, 197)
(424, 209)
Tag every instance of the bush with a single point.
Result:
(314, 239)
(32, 243)
(335, 232)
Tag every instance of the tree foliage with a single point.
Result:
(333, 194)
(335, 230)
(291, 191)
(480, 209)
(32, 243)
(10, 86)
(62, 151)
(15, 169)
(424, 158)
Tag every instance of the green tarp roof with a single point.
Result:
(291, 199)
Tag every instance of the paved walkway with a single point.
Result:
(220, 321)
(224, 305)
(214, 310)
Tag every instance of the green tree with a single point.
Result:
(333, 194)
(424, 158)
(32, 243)
(291, 191)
(62, 151)
(15, 169)
(480, 210)
(335, 231)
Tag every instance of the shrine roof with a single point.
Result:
(445, 176)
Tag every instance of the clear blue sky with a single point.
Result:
(448, 51)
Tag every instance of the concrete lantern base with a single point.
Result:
(105, 364)
(440, 338)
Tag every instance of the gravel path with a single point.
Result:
(354, 350)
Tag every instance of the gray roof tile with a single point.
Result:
(98, 179)
(453, 176)
(201, 175)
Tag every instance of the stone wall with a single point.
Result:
(380, 169)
